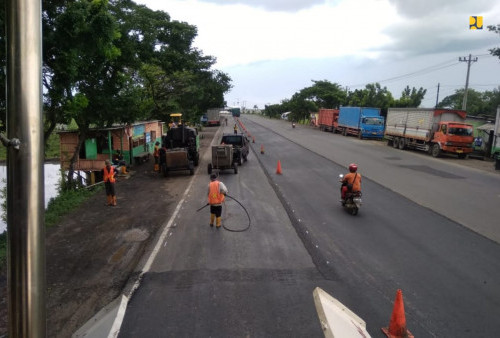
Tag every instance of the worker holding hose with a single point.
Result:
(216, 195)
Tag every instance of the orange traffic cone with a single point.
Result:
(397, 325)
(262, 149)
(278, 169)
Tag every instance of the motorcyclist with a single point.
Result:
(351, 182)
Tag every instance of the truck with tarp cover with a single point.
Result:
(432, 130)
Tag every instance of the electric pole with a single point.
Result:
(468, 60)
(437, 97)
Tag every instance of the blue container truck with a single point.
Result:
(362, 122)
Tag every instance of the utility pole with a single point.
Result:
(437, 97)
(25, 178)
(468, 60)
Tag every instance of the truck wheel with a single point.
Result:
(402, 144)
(436, 151)
(389, 142)
(209, 168)
(197, 160)
(235, 168)
(239, 160)
(462, 156)
(395, 142)
(344, 132)
(360, 135)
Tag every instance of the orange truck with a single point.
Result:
(328, 119)
(432, 130)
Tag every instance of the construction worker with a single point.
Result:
(156, 154)
(108, 176)
(216, 194)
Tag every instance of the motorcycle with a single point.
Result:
(352, 201)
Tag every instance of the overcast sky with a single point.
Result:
(272, 49)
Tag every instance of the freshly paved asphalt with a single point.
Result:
(215, 283)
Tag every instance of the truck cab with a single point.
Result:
(453, 137)
(372, 127)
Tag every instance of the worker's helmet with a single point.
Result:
(353, 167)
(213, 177)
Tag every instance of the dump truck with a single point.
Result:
(432, 130)
(213, 116)
(328, 119)
(362, 122)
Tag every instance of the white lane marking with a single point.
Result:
(115, 330)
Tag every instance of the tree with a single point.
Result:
(372, 96)
(495, 51)
(324, 94)
(410, 97)
(476, 104)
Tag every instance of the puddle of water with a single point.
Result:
(52, 176)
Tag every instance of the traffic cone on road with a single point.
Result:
(262, 149)
(278, 169)
(397, 325)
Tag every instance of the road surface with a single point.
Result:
(208, 282)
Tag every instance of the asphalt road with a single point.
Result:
(208, 282)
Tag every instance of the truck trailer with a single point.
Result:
(328, 119)
(213, 117)
(431, 130)
(362, 122)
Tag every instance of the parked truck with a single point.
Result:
(213, 117)
(431, 130)
(328, 119)
(362, 122)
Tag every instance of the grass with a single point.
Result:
(59, 206)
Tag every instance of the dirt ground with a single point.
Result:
(94, 251)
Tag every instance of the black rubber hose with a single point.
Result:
(248, 215)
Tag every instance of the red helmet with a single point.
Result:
(353, 167)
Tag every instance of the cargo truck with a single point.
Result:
(328, 119)
(213, 118)
(362, 122)
(432, 130)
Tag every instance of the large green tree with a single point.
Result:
(103, 61)
(410, 97)
(478, 103)
(372, 96)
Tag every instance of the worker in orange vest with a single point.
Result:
(108, 176)
(156, 154)
(216, 194)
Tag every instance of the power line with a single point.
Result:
(426, 70)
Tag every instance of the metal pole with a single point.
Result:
(25, 178)
(469, 61)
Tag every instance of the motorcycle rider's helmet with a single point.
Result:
(353, 167)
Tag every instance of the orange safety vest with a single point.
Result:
(109, 176)
(214, 195)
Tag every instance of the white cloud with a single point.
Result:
(272, 5)
(271, 49)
